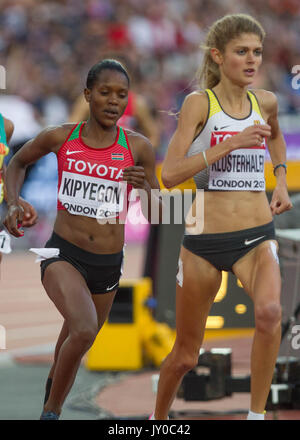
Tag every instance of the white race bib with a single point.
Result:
(242, 169)
(91, 196)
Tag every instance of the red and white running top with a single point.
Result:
(90, 179)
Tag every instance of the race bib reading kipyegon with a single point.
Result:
(91, 196)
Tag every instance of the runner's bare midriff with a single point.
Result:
(88, 234)
(227, 211)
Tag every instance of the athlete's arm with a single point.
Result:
(49, 140)
(276, 144)
(177, 167)
(142, 176)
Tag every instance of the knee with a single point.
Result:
(268, 317)
(84, 336)
(184, 362)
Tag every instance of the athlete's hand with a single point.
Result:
(251, 136)
(14, 219)
(30, 215)
(280, 200)
(135, 176)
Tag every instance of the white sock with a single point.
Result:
(255, 416)
(153, 418)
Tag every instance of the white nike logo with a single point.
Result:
(73, 152)
(247, 242)
(111, 288)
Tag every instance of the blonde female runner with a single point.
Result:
(221, 138)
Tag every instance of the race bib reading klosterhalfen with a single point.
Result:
(240, 169)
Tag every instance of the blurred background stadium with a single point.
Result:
(47, 48)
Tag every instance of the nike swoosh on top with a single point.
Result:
(221, 128)
(68, 152)
(247, 242)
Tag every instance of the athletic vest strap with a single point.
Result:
(122, 139)
(76, 131)
(254, 102)
(214, 106)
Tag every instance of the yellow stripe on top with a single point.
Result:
(254, 102)
(214, 106)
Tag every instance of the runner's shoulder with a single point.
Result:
(195, 105)
(197, 98)
(267, 100)
(137, 139)
(140, 144)
(56, 135)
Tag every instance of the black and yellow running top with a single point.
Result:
(3, 152)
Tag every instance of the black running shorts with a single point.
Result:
(224, 249)
(101, 272)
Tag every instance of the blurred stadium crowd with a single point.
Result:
(47, 48)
